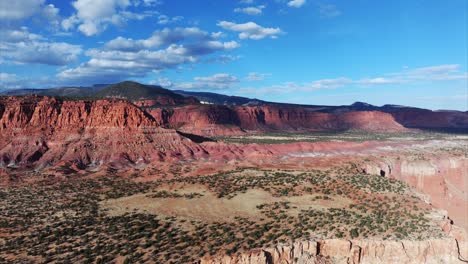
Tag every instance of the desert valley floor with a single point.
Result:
(278, 198)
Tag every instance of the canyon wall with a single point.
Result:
(443, 177)
(421, 118)
(212, 120)
(444, 250)
(42, 131)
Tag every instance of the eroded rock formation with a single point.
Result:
(41, 131)
(444, 250)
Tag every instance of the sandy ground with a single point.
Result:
(210, 208)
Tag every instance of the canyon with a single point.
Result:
(165, 138)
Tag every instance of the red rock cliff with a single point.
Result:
(222, 120)
(43, 131)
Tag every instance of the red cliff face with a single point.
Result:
(222, 120)
(298, 118)
(443, 177)
(209, 120)
(41, 131)
(421, 118)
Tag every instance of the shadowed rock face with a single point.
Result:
(421, 118)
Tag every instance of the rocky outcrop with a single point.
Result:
(444, 250)
(43, 131)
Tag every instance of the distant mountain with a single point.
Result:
(221, 99)
(59, 91)
(176, 108)
(132, 91)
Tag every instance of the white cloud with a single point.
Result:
(223, 59)
(147, 3)
(70, 22)
(17, 10)
(255, 76)
(49, 53)
(252, 10)
(380, 80)
(21, 46)
(218, 81)
(23, 9)
(445, 72)
(18, 35)
(296, 3)
(327, 84)
(287, 87)
(8, 81)
(94, 16)
(328, 10)
(7, 76)
(121, 58)
(51, 14)
(163, 19)
(199, 41)
(250, 30)
(163, 82)
(138, 15)
(417, 76)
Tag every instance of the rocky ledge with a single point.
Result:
(443, 250)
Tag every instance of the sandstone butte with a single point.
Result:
(36, 132)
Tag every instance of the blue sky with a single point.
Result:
(299, 51)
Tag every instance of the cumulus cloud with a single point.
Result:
(121, 58)
(198, 41)
(94, 16)
(218, 81)
(252, 10)
(250, 30)
(51, 14)
(296, 3)
(16, 10)
(49, 53)
(113, 66)
(18, 35)
(21, 46)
